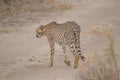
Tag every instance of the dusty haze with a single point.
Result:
(25, 57)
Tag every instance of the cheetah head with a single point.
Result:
(40, 31)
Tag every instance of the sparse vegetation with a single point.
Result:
(107, 68)
(64, 7)
(11, 7)
(21, 12)
(4, 30)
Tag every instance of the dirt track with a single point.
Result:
(24, 57)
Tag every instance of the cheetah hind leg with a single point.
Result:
(76, 61)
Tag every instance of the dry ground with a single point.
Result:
(24, 57)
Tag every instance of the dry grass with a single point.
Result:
(25, 6)
(4, 11)
(64, 7)
(99, 69)
(4, 30)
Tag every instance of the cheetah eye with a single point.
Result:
(39, 33)
(41, 29)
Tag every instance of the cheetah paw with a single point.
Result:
(83, 58)
(67, 62)
(50, 65)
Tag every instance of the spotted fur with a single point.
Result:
(66, 34)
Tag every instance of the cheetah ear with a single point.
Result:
(41, 27)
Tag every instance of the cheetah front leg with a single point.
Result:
(51, 43)
(65, 56)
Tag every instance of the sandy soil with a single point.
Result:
(24, 57)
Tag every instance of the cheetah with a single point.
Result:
(65, 34)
